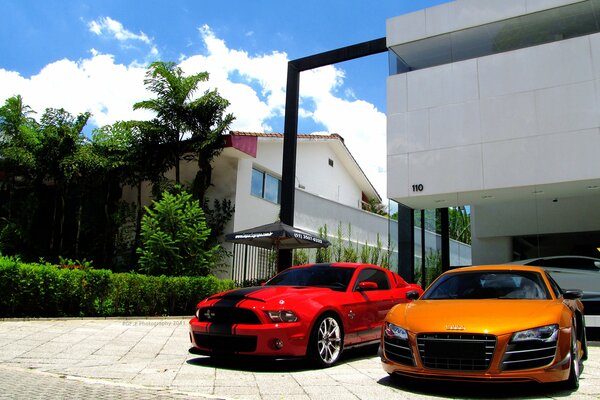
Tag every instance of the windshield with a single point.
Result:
(489, 285)
(336, 278)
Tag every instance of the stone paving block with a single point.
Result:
(329, 392)
(148, 358)
(229, 391)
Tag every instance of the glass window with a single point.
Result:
(336, 278)
(257, 183)
(555, 288)
(493, 284)
(265, 186)
(565, 22)
(272, 189)
(373, 275)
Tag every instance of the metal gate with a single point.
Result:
(251, 264)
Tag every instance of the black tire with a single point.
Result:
(584, 346)
(572, 382)
(326, 341)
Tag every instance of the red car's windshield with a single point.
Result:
(336, 278)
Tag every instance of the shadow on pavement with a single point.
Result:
(267, 364)
(475, 390)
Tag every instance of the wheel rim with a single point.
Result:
(329, 342)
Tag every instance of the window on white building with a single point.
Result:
(266, 186)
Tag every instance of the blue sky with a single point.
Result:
(91, 56)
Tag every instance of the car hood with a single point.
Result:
(269, 294)
(495, 317)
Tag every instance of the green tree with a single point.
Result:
(18, 147)
(208, 123)
(132, 155)
(201, 121)
(60, 160)
(375, 206)
(174, 93)
(460, 224)
(174, 235)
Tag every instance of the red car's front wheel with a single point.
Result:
(326, 341)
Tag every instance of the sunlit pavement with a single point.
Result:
(148, 358)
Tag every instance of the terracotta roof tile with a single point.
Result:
(280, 135)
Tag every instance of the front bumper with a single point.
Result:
(557, 370)
(272, 340)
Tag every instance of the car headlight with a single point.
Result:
(282, 316)
(394, 331)
(546, 333)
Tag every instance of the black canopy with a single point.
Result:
(278, 235)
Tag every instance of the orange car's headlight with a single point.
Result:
(547, 333)
(395, 331)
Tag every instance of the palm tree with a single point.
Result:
(172, 105)
(201, 121)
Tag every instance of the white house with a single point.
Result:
(330, 189)
(249, 172)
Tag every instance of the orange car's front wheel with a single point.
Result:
(572, 381)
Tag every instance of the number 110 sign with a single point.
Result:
(417, 187)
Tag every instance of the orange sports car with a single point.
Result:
(502, 323)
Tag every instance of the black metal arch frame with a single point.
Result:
(288, 170)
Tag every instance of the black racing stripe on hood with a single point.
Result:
(234, 297)
(231, 299)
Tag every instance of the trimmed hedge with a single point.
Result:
(34, 290)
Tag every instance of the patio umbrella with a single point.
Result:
(278, 235)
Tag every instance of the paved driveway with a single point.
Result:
(148, 358)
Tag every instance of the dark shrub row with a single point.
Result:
(34, 290)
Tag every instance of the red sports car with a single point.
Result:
(313, 311)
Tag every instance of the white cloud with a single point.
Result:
(97, 84)
(116, 30)
(108, 89)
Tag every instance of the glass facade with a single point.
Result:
(529, 30)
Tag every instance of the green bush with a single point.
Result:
(174, 237)
(35, 290)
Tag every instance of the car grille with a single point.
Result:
(226, 344)
(398, 350)
(456, 351)
(525, 355)
(228, 315)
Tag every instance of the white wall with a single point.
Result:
(313, 212)
(250, 210)
(526, 117)
(492, 131)
(313, 171)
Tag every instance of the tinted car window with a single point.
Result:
(489, 285)
(374, 275)
(554, 286)
(336, 278)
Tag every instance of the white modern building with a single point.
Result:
(495, 105)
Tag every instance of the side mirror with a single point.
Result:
(572, 294)
(364, 286)
(412, 295)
